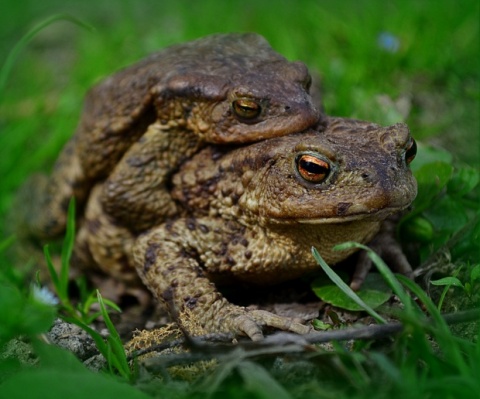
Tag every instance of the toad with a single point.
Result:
(253, 213)
(224, 89)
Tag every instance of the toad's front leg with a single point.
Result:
(135, 194)
(173, 270)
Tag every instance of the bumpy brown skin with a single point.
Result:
(253, 214)
(188, 94)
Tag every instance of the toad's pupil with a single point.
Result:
(313, 167)
(247, 109)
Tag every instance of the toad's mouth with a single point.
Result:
(371, 215)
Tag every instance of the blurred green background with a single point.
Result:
(387, 61)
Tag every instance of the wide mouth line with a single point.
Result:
(375, 215)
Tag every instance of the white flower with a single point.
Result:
(44, 295)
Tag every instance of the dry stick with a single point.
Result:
(384, 330)
(202, 344)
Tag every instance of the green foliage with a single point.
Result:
(446, 203)
(114, 351)
(22, 314)
(470, 287)
(81, 314)
(25, 310)
(82, 311)
(349, 293)
(455, 360)
(374, 292)
(385, 272)
(61, 375)
(33, 312)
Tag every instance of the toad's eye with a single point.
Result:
(246, 108)
(312, 168)
(307, 83)
(411, 151)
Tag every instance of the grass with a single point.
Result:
(424, 70)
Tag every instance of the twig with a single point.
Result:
(280, 341)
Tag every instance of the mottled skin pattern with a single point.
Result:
(253, 213)
(225, 88)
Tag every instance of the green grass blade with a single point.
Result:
(345, 288)
(257, 379)
(423, 297)
(91, 318)
(22, 43)
(117, 356)
(6, 243)
(384, 271)
(443, 335)
(107, 320)
(68, 243)
(448, 282)
(53, 272)
(112, 305)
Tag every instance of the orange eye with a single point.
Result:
(246, 108)
(312, 168)
(411, 151)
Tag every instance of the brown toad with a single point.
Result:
(224, 88)
(253, 213)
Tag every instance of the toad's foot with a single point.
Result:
(251, 324)
(241, 321)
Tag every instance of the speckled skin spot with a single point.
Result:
(150, 257)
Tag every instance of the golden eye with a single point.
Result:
(246, 108)
(411, 151)
(313, 169)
